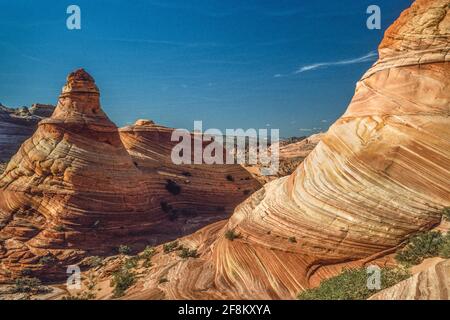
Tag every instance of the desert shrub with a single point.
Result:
(446, 213)
(171, 246)
(2, 167)
(444, 251)
(147, 263)
(93, 262)
(165, 207)
(131, 263)
(186, 174)
(246, 192)
(292, 240)
(148, 252)
(351, 284)
(230, 178)
(47, 260)
(123, 249)
(188, 253)
(121, 281)
(81, 296)
(173, 187)
(420, 247)
(26, 272)
(59, 228)
(231, 235)
(163, 280)
(29, 285)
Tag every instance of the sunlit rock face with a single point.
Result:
(17, 125)
(78, 187)
(433, 283)
(380, 174)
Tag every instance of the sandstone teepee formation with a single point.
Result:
(80, 186)
(379, 175)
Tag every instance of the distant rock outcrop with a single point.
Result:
(291, 154)
(379, 175)
(79, 186)
(17, 125)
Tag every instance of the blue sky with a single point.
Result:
(281, 64)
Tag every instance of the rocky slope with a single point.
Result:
(378, 176)
(80, 186)
(432, 283)
(17, 125)
(291, 154)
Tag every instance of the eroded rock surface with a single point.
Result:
(379, 175)
(80, 186)
(430, 284)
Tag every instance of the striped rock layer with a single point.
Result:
(379, 175)
(80, 186)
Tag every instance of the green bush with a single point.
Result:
(163, 280)
(59, 228)
(420, 247)
(93, 262)
(148, 252)
(29, 285)
(121, 281)
(123, 249)
(147, 255)
(171, 246)
(351, 284)
(147, 263)
(47, 260)
(188, 253)
(230, 178)
(81, 296)
(231, 235)
(26, 272)
(131, 263)
(165, 207)
(173, 187)
(444, 251)
(446, 213)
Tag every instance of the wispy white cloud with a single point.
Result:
(20, 52)
(371, 56)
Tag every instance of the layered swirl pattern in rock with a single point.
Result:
(379, 175)
(79, 186)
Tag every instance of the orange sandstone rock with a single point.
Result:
(379, 175)
(80, 186)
